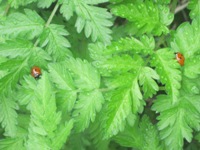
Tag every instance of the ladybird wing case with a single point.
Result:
(180, 58)
(35, 72)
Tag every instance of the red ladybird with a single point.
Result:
(180, 58)
(36, 72)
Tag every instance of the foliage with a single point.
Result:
(109, 75)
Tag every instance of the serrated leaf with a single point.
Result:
(17, 3)
(8, 115)
(194, 6)
(187, 43)
(192, 67)
(67, 9)
(145, 17)
(177, 121)
(53, 37)
(86, 77)
(167, 68)
(27, 90)
(16, 70)
(137, 98)
(62, 134)
(119, 64)
(145, 45)
(45, 3)
(15, 48)
(12, 144)
(39, 57)
(28, 25)
(66, 90)
(146, 79)
(85, 109)
(143, 135)
(43, 106)
(116, 112)
(94, 20)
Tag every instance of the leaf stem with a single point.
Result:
(52, 15)
(6, 10)
(48, 21)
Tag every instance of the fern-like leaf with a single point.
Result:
(88, 104)
(143, 135)
(177, 121)
(93, 19)
(185, 40)
(124, 100)
(146, 78)
(55, 42)
(42, 126)
(8, 115)
(167, 68)
(12, 144)
(86, 77)
(15, 48)
(145, 17)
(61, 135)
(66, 90)
(116, 112)
(194, 7)
(45, 3)
(28, 25)
(27, 88)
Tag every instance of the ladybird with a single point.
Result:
(180, 58)
(36, 72)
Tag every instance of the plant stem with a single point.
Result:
(48, 21)
(181, 7)
(52, 15)
(6, 10)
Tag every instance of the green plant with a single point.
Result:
(110, 79)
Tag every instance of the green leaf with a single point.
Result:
(94, 20)
(145, 45)
(15, 48)
(194, 6)
(192, 68)
(86, 107)
(67, 9)
(62, 134)
(86, 77)
(28, 25)
(42, 127)
(177, 121)
(12, 144)
(27, 88)
(146, 79)
(45, 3)
(143, 135)
(39, 57)
(190, 86)
(117, 64)
(53, 37)
(8, 115)
(145, 16)
(16, 3)
(17, 67)
(167, 68)
(116, 112)
(66, 90)
(185, 40)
